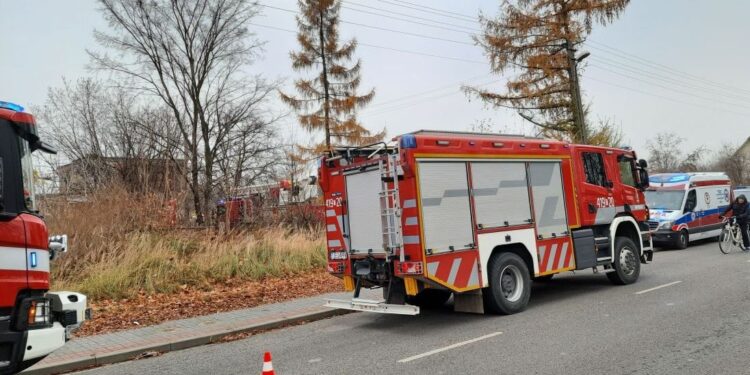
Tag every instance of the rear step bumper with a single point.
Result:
(359, 304)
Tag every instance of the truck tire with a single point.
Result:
(627, 264)
(430, 298)
(510, 284)
(682, 241)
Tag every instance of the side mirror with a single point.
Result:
(57, 244)
(643, 164)
(643, 177)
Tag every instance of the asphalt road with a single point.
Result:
(696, 322)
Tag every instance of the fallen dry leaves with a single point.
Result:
(149, 309)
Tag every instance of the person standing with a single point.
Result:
(740, 209)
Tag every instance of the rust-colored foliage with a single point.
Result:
(328, 101)
(534, 38)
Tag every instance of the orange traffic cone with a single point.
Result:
(267, 365)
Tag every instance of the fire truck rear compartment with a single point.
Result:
(363, 232)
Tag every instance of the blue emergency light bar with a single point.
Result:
(11, 106)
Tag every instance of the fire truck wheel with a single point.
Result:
(510, 284)
(682, 240)
(430, 298)
(627, 265)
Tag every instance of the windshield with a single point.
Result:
(27, 168)
(665, 200)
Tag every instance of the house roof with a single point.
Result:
(744, 148)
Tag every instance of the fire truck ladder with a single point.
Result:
(390, 207)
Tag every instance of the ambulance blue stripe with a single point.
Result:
(688, 218)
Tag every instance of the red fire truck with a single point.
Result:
(33, 321)
(479, 216)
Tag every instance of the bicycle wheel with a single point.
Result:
(726, 240)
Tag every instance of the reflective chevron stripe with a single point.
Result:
(555, 257)
(458, 272)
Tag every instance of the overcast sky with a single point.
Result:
(665, 65)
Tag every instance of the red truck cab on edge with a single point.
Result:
(33, 321)
(479, 216)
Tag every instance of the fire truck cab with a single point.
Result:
(33, 321)
(479, 216)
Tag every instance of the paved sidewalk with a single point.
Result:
(84, 352)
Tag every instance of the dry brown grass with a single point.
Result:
(117, 249)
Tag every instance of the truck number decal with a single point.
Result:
(605, 202)
(333, 202)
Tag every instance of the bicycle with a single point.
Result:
(730, 237)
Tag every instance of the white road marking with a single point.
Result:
(449, 347)
(658, 287)
(748, 260)
(315, 360)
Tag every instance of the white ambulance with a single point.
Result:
(685, 207)
(742, 190)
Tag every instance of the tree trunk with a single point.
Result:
(326, 95)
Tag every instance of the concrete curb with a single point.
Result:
(179, 344)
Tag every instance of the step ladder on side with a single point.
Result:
(390, 206)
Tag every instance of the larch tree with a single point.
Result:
(328, 101)
(537, 40)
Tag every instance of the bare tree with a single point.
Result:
(92, 125)
(667, 154)
(736, 164)
(189, 55)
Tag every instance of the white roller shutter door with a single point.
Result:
(363, 204)
(446, 212)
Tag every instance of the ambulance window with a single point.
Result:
(691, 202)
(627, 172)
(593, 165)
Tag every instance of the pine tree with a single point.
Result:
(329, 101)
(538, 39)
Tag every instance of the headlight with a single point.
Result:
(338, 255)
(665, 225)
(34, 312)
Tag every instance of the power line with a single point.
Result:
(459, 59)
(402, 32)
(605, 49)
(426, 9)
(709, 99)
(667, 97)
(669, 80)
(411, 16)
(405, 20)
(724, 89)
(430, 91)
(659, 66)
(415, 102)
(396, 101)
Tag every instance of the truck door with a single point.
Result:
(13, 272)
(596, 196)
(627, 192)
